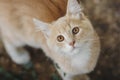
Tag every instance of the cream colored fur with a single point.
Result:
(37, 23)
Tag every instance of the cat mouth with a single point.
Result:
(74, 48)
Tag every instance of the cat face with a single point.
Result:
(68, 34)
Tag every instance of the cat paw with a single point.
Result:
(21, 58)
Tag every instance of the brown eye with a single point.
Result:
(75, 30)
(60, 38)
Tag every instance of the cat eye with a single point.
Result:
(75, 30)
(60, 38)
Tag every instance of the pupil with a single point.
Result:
(75, 30)
(60, 37)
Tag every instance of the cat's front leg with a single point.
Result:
(63, 74)
(17, 54)
(66, 76)
(79, 77)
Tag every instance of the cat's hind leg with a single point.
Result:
(17, 54)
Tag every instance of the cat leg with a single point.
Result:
(63, 75)
(71, 77)
(66, 76)
(17, 54)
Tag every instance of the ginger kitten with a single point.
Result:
(70, 41)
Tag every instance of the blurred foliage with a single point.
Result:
(6, 75)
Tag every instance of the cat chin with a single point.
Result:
(75, 51)
(71, 52)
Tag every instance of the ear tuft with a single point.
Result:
(41, 26)
(73, 7)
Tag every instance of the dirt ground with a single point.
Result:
(105, 16)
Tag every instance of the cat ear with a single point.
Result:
(42, 26)
(74, 8)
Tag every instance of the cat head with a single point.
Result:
(69, 33)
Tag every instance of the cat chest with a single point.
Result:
(77, 64)
(80, 61)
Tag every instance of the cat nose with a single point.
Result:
(72, 43)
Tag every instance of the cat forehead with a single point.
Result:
(60, 25)
(60, 22)
(64, 23)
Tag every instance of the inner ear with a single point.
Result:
(74, 8)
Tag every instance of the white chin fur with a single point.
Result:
(69, 50)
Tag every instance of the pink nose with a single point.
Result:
(72, 43)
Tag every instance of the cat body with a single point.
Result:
(68, 39)
(15, 15)
(16, 22)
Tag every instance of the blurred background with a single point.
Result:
(105, 17)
